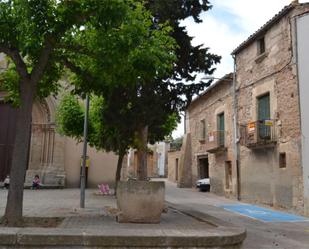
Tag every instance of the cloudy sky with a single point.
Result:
(228, 24)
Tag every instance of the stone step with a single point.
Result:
(35, 238)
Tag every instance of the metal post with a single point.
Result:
(83, 171)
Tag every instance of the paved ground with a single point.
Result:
(260, 235)
(96, 226)
(65, 203)
(98, 212)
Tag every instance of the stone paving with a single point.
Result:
(98, 212)
(96, 225)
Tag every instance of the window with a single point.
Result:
(221, 128)
(261, 46)
(263, 114)
(203, 129)
(264, 107)
(282, 160)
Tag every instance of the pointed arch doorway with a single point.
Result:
(46, 155)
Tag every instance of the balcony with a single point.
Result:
(215, 141)
(259, 134)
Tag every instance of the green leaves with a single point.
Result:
(9, 82)
(115, 49)
(70, 117)
(124, 52)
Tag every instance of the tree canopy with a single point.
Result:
(191, 60)
(103, 43)
(155, 102)
(112, 48)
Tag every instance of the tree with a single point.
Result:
(149, 105)
(176, 143)
(144, 53)
(112, 123)
(102, 134)
(191, 60)
(154, 102)
(158, 97)
(172, 94)
(40, 38)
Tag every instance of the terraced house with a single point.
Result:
(250, 133)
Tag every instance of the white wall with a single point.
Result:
(303, 71)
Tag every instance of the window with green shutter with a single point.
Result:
(221, 128)
(264, 114)
(264, 107)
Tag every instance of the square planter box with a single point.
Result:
(140, 201)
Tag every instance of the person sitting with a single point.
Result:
(7, 182)
(36, 183)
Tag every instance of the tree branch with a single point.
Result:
(13, 53)
(76, 48)
(77, 70)
(38, 70)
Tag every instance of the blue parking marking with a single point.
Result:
(263, 214)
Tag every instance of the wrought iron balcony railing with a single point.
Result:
(257, 134)
(215, 141)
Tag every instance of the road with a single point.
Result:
(260, 235)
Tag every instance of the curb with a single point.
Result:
(222, 235)
(120, 238)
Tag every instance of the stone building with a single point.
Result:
(266, 161)
(209, 121)
(269, 66)
(55, 158)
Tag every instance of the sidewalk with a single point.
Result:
(95, 226)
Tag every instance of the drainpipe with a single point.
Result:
(235, 132)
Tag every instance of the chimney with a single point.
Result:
(295, 2)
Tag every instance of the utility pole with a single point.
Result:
(84, 158)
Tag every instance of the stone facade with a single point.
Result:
(46, 156)
(269, 173)
(202, 116)
(273, 72)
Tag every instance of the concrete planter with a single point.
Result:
(140, 201)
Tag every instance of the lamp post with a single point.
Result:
(83, 171)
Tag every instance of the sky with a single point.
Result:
(228, 24)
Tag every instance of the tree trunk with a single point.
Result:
(119, 167)
(14, 206)
(142, 154)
